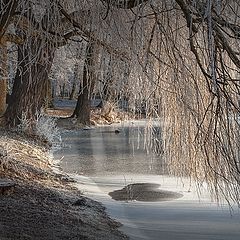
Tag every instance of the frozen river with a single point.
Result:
(104, 161)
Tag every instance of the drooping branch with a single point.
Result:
(91, 37)
(227, 47)
(187, 14)
(6, 14)
(234, 28)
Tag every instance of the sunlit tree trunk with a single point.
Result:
(83, 107)
(3, 76)
(3, 91)
(29, 89)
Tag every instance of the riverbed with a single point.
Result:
(117, 158)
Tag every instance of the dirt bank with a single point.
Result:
(43, 204)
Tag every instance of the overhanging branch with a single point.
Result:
(90, 35)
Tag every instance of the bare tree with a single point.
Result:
(83, 107)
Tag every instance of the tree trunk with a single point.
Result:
(35, 60)
(3, 92)
(3, 77)
(75, 78)
(9, 7)
(106, 95)
(62, 90)
(73, 90)
(49, 95)
(83, 108)
(107, 91)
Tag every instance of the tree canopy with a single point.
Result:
(179, 57)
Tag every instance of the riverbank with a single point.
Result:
(43, 204)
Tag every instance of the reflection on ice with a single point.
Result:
(101, 151)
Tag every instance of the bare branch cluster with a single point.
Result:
(177, 61)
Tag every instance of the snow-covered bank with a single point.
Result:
(189, 217)
(44, 205)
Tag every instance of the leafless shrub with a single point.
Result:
(46, 128)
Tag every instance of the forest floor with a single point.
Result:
(44, 205)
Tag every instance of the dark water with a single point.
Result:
(102, 151)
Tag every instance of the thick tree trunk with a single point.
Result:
(3, 77)
(83, 108)
(8, 8)
(35, 60)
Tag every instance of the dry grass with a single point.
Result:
(23, 160)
